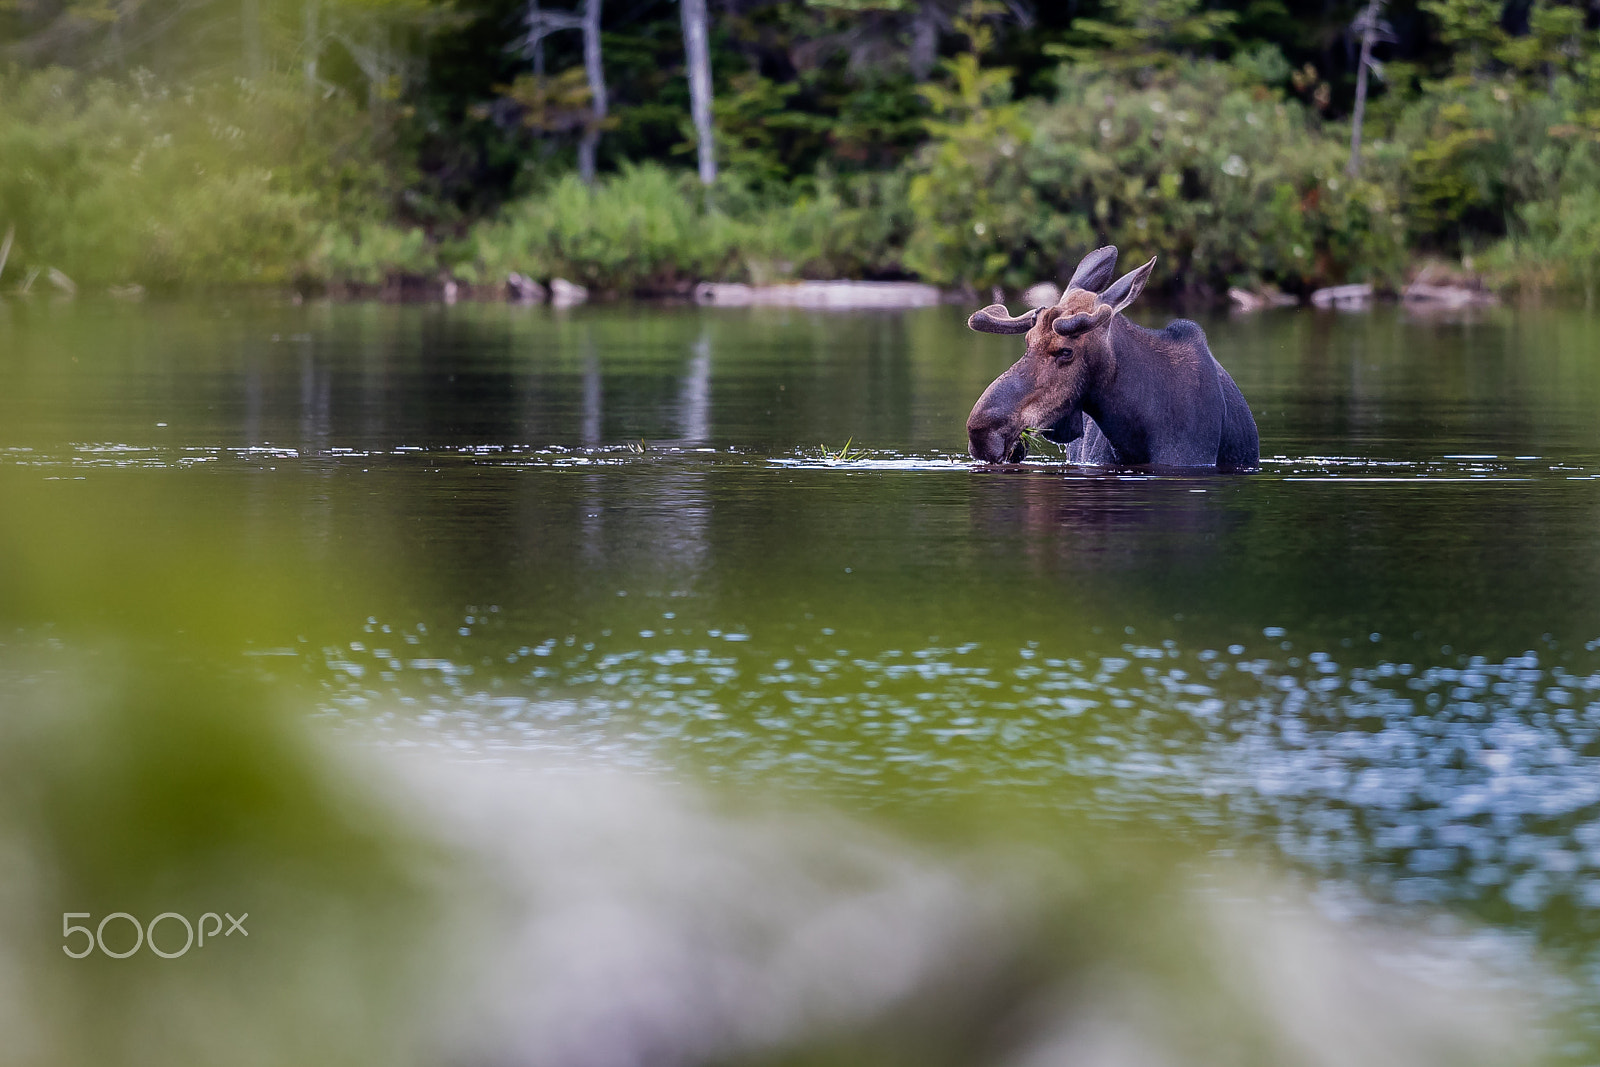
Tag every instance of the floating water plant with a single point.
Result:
(845, 454)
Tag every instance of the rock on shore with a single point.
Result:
(842, 294)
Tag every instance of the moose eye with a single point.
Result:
(1064, 356)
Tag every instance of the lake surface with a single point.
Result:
(637, 535)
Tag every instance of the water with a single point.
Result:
(635, 537)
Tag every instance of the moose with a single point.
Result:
(1114, 393)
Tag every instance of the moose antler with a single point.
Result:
(1084, 321)
(996, 319)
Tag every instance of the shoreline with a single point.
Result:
(1429, 288)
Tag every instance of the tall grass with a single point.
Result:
(644, 229)
(650, 230)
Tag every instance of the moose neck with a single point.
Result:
(1114, 397)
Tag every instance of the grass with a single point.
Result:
(1037, 441)
(845, 454)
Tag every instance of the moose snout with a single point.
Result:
(994, 429)
(994, 441)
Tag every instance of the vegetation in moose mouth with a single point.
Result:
(1036, 441)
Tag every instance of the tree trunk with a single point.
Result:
(924, 43)
(538, 45)
(313, 46)
(597, 90)
(1369, 30)
(698, 52)
(250, 30)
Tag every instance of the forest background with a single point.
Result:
(360, 145)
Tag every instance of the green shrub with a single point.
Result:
(1574, 247)
(842, 228)
(1558, 246)
(647, 229)
(643, 229)
(1484, 149)
(980, 216)
(223, 184)
(1227, 184)
(371, 252)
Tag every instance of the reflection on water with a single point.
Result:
(410, 902)
(630, 535)
(1473, 781)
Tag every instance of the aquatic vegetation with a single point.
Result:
(843, 454)
(649, 230)
(644, 229)
(1037, 442)
(369, 253)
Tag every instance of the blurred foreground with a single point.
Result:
(416, 903)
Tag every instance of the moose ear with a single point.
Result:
(1128, 287)
(996, 319)
(1094, 270)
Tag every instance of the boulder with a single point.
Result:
(1250, 300)
(836, 295)
(564, 294)
(1245, 300)
(523, 289)
(1447, 296)
(1345, 297)
(727, 294)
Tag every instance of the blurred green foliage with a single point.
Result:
(966, 142)
(143, 770)
(122, 180)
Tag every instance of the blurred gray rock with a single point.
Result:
(565, 294)
(840, 294)
(523, 289)
(1447, 296)
(1344, 297)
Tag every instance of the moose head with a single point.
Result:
(1069, 352)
